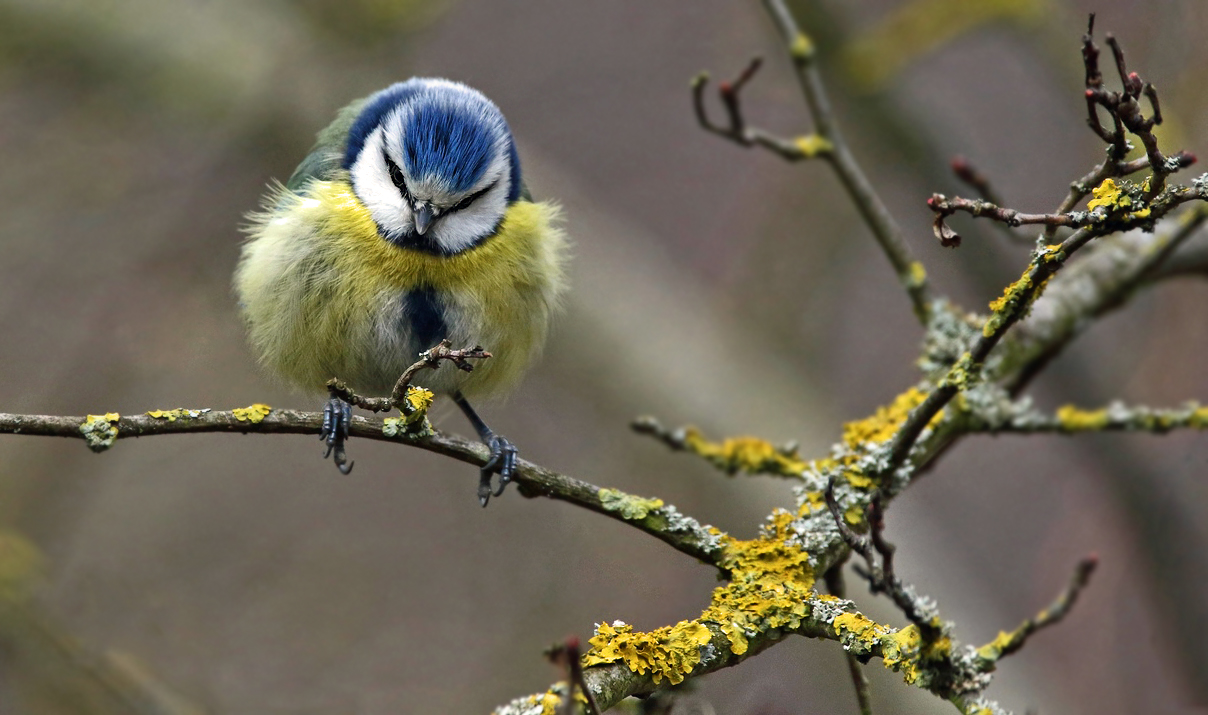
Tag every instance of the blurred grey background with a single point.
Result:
(712, 285)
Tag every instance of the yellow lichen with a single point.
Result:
(1011, 293)
(1053, 253)
(917, 276)
(771, 586)
(993, 650)
(884, 423)
(860, 626)
(1199, 418)
(1108, 195)
(418, 400)
(180, 413)
(744, 454)
(812, 145)
(854, 514)
(859, 438)
(414, 421)
(1073, 419)
(549, 701)
(859, 481)
(902, 650)
(669, 652)
(100, 431)
(906, 652)
(803, 47)
(627, 505)
(1015, 302)
(252, 413)
(813, 501)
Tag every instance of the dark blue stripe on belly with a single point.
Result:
(424, 318)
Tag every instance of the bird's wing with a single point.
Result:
(327, 154)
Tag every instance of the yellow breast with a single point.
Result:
(321, 291)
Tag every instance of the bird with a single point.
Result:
(407, 224)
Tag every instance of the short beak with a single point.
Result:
(423, 218)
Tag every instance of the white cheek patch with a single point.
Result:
(372, 185)
(452, 232)
(463, 229)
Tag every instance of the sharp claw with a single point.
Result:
(493, 462)
(509, 468)
(337, 418)
(484, 487)
(501, 462)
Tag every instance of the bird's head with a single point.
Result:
(434, 163)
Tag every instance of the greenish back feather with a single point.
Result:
(326, 155)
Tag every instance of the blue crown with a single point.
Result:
(450, 133)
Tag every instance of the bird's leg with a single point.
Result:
(337, 417)
(503, 453)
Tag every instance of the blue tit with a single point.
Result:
(408, 223)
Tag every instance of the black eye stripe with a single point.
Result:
(396, 175)
(471, 198)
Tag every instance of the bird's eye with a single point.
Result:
(396, 175)
(470, 199)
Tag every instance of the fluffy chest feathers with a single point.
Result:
(326, 296)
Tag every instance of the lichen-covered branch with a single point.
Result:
(1108, 196)
(1091, 288)
(1125, 114)
(1115, 417)
(652, 516)
(975, 368)
(770, 595)
(750, 455)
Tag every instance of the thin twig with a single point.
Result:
(874, 212)
(966, 172)
(1125, 114)
(878, 555)
(428, 360)
(1008, 643)
(568, 656)
(738, 131)
(979, 182)
(859, 679)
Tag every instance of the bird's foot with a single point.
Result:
(337, 417)
(501, 462)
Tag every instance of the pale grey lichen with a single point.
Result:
(677, 523)
(409, 426)
(100, 431)
(826, 609)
